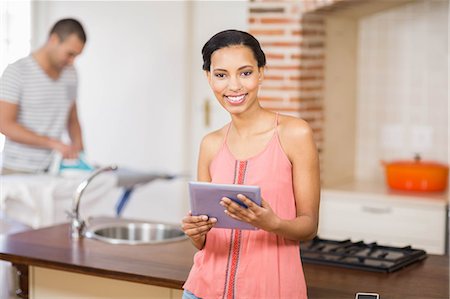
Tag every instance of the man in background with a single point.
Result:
(38, 102)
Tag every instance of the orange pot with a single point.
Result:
(416, 175)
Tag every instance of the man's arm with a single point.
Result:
(18, 133)
(74, 129)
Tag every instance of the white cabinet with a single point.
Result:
(384, 217)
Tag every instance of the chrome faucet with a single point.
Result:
(77, 224)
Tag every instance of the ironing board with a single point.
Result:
(130, 179)
(34, 196)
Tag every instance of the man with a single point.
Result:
(38, 102)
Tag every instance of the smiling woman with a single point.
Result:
(259, 148)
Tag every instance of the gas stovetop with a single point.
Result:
(359, 255)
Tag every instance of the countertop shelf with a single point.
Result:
(168, 265)
(379, 189)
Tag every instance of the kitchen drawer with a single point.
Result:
(385, 220)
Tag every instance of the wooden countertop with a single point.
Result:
(168, 265)
(164, 265)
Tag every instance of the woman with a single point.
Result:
(258, 147)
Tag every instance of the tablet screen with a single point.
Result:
(205, 200)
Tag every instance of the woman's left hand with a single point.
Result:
(262, 216)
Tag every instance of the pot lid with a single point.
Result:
(417, 161)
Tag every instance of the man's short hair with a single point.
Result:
(66, 27)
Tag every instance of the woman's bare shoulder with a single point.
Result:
(212, 141)
(296, 137)
(293, 127)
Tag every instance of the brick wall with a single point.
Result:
(294, 44)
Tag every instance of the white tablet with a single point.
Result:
(205, 200)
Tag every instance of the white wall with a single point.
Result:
(132, 80)
(402, 86)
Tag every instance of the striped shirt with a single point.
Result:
(43, 108)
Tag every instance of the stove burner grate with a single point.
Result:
(359, 255)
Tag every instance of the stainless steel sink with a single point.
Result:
(133, 232)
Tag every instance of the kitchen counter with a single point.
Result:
(386, 216)
(378, 189)
(167, 265)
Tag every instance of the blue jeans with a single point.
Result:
(189, 295)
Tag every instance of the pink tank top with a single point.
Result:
(244, 264)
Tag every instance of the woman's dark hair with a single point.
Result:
(65, 27)
(228, 38)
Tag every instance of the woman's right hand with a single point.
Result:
(196, 228)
